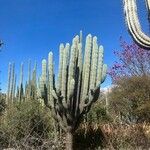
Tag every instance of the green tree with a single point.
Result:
(130, 99)
(130, 96)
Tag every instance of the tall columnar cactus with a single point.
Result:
(14, 87)
(34, 74)
(31, 85)
(50, 77)
(133, 23)
(12, 82)
(29, 70)
(9, 82)
(21, 83)
(43, 80)
(78, 84)
(31, 90)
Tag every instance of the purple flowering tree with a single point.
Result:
(132, 61)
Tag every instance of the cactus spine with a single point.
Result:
(78, 84)
(133, 23)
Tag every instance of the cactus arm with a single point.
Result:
(93, 72)
(100, 65)
(59, 83)
(83, 68)
(94, 93)
(75, 76)
(80, 36)
(64, 72)
(43, 81)
(104, 73)
(86, 67)
(71, 72)
(133, 23)
(51, 79)
(79, 76)
(99, 78)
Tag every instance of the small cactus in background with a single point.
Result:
(33, 93)
(14, 88)
(30, 91)
(11, 84)
(31, 85)
(78, 84)
(21, 84)
(29, 71)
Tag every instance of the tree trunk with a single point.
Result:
(69, 141)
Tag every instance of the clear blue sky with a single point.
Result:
(31, 28)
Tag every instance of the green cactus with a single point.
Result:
(12, 82)
(31, 85)
(29, 70)
(59, 83)
(43, 81)
(78, 83)
(34, 74)
(21, 91)
(9, 83)
(133, 23)
(14, 87)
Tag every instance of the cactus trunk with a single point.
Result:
(69, 141)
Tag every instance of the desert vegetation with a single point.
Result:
(67, 107)
(69, 111)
